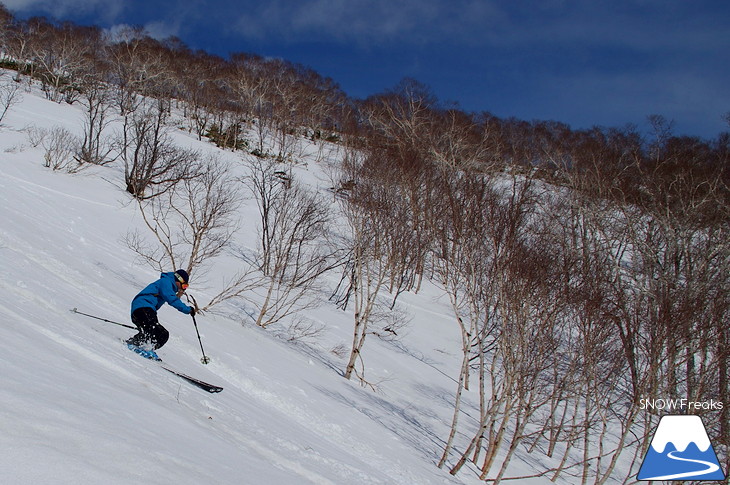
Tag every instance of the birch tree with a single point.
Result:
(295, 248)
(192, 222)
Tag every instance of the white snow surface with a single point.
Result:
(77, 407)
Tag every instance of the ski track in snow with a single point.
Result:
(271, 454)
(303, 417)
(43, 189)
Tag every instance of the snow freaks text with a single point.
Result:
(680, 404)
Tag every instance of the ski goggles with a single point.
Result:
(182, 281)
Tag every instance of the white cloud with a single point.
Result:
(640, 25)
(368, 21)
(156, 30)
(162, 30)
(64, 8)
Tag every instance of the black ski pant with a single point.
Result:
(150, 330)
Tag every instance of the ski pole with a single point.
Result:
(204, 359)
(74, 310)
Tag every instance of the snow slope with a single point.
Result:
(77, 407)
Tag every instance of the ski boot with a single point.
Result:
(146, 353)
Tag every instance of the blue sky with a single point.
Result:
(582, 62)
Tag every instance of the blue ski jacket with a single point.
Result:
(158, 293)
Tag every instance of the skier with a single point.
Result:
(151, 336)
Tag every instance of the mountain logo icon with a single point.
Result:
(681, 450)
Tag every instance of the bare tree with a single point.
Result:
(459, 272)
(131, 67)
(294, 244)
(376, 239)
(206, 84)
(9, 95)
(484, 235)
(6, 27)
(96, 98)
(61, 150)
(192, 222)
(59, 54)
(153, 164)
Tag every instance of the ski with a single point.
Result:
(192, 380)
(151, 355)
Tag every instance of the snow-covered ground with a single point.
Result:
(77, 407)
